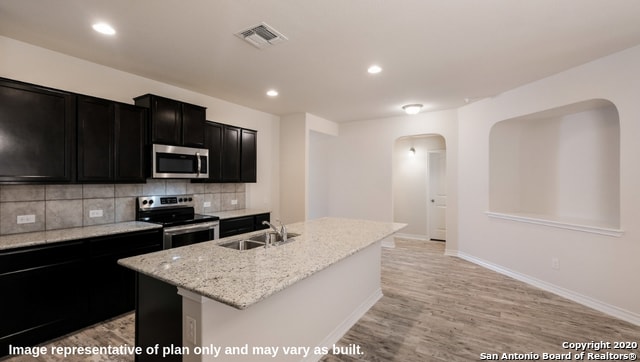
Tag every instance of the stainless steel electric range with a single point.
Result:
(176, 213)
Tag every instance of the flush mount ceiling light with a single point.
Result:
(104, 28)
(272, 93)
(412, 108)
(374, 69)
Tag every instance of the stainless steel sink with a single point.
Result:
(255, 241)
(243, 244)
(263, 237)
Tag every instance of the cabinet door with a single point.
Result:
(130, 155)
(166, 121)
(44, 293)
(213, 142)
(38, 133)
(193, 120)
(248, 152)
(260, 218)
(112, 290)
(230, 154)
(95, 139)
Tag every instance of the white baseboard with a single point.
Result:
(344, 327)
(598, 305)
(411, 236)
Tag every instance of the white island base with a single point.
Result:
(299, 323)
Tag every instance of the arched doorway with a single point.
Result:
(419, 186)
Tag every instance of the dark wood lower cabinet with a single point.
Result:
(244, 224)
(158, 317)
(44, 292)
(51, 290)
(112, 287)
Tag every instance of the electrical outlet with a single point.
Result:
(191, 329)
(95, 213)
(207, 204)
(26, 219)
(555, 263)
(234, 202)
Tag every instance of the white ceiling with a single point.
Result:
(435, 52)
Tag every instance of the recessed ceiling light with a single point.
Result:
(104, 28)
(272, 93)
(374, 69)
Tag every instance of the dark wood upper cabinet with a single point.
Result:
(165, 121)
(38, 130)
(130, 151)
(213, 142)
(174, 122)
(193, 121)
(95, 139)
(248, 153)
(110, 141)
(230, 154)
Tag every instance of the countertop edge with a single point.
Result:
(243, 301)
(48, 237)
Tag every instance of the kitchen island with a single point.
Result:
(245, 305)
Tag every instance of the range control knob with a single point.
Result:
(150, 202)
(190, 199)
(144, 202)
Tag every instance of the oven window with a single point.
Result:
(191, 238)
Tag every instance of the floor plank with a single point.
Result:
(434, 308)
(440, 308)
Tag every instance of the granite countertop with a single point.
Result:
(242, 278)
(237, 213)
(55, 236)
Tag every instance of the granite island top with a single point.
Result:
(242, 278)
(60, 235)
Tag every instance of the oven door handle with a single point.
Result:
(175, 230)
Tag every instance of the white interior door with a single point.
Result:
(437, 202)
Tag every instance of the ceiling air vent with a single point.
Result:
(261, 36)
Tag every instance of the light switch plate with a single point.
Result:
(207, 204)
(234, 202)
(95, 213)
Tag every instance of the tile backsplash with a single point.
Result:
(65, 206)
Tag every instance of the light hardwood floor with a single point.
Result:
(435, 308)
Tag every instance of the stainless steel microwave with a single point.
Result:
(179, 162)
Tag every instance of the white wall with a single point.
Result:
(304, 156)
(28, 63)
(598, 270)
(361, 179)
(320, 156)
(293, 172)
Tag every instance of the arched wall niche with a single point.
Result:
(560, 165)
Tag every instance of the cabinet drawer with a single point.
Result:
(126, 244)
(238, 225)
(40, 256)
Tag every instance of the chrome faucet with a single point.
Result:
(282, 232)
